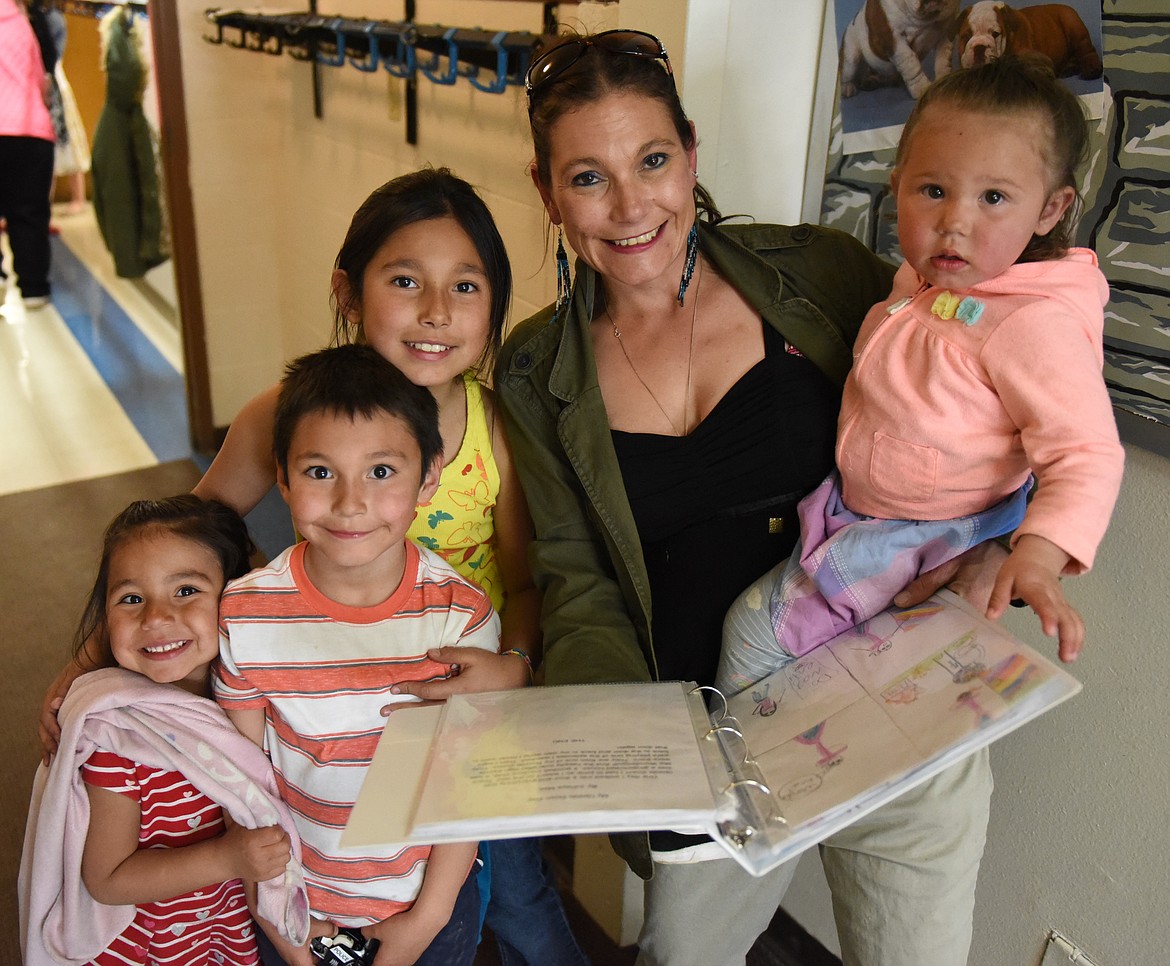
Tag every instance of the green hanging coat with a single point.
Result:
(125, 178)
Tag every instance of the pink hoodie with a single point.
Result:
(22, 76)
(942, 418)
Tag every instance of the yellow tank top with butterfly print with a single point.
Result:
(459, 522)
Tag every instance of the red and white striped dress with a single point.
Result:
(207, 926)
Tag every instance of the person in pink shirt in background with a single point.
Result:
(26, 153)
(980, 372)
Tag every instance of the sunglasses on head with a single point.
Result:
(555, 61)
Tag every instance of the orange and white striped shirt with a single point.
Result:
(322, 672)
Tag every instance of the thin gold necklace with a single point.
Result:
(690, 360)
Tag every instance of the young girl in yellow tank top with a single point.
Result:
(423, 277)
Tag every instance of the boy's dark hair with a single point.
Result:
(353, 380)
(1011, 86)
(207, 522)
(422, 196)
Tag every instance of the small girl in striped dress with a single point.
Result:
(131, 804)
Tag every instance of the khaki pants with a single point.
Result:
(902, 879)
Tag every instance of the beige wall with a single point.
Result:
(1080, 830)
(274, 187)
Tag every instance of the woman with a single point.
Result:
(666, 417)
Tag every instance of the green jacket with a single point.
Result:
(126, 199)
(814, 285)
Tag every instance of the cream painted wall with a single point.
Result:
(752, 108)
(266, 173)
(1080, 827)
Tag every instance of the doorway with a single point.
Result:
(175, 285)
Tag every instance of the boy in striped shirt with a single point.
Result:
(312, 645)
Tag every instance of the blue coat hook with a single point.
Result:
(338, 59)
(452, 72)
(368, 64)
(500, 81)
(403, 63)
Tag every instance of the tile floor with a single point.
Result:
(91, 384)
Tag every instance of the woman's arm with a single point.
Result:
(244, 469)
(117, 872)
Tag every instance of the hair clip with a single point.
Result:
(944, 305)
(969, 310)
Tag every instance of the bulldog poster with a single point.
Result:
(890, 50)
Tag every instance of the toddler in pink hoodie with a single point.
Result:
(980, 372)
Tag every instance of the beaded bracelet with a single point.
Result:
(524, 657)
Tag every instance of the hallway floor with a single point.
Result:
(93, 381)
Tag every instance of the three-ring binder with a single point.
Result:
(750, 818)
(766, 773)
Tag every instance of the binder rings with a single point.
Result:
(767, 773)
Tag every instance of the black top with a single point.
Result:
(706, 504)
(716, 509)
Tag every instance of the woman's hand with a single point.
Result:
(472, 669)
(971, 575)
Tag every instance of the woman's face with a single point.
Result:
(621, 184)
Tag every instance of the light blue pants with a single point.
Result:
(902, 880)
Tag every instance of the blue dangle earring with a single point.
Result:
(689, 265)
(564, 280)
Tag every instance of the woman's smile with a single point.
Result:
(643, 239)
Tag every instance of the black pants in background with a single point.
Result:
(26, 177)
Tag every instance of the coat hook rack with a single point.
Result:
(490, 60)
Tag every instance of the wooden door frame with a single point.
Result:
(175, 159)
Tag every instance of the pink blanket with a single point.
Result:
(159, 726)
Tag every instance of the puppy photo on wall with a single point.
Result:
(890, 51)
(887, 41)
(988, 29)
